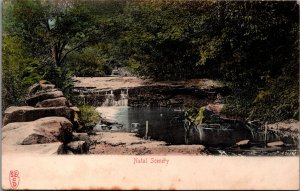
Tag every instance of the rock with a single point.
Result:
(75, 147)
(37, 139)
(27, 113)
(243, 142)
(289, 140)
(81, 137)
(65, 134)
(44, 82)
(286, 131)
(79, 147)
(47, 86)
(34, 88)
(55, 102)
(108, 121)
(291, 124)
(42, 85)
(100, 127)
(216, 108)
(91, 133)
(75, 109)
(276, 143)
(38, 97)
(63, 149)
(44, 130)
(78, 124)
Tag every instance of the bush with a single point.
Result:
(279, 102)
(89, 115)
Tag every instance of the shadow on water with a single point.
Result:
(167, 124)
(168, 127)
(164, 124)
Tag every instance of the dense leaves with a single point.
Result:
(89, 115)
(17, 72)
(252, 46)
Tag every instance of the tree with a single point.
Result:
(251, 46)
(89, 62)
(50, 31)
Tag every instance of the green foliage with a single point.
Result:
(61, 77)
(195, 115)
(250, 45)
(237, 105)
(15, 76)
(49, 32)
(89, 115)
(279, 103)
(89, 62)
(157, 40)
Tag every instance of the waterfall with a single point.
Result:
(110, 99)
(123, 99)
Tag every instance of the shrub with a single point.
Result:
(89, 115)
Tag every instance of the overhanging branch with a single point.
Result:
(73, 49)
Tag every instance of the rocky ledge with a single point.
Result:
(48, 118)
(146, 92)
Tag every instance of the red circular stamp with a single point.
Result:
(14, 179)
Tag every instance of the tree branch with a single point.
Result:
(71, 50)
(60, 49)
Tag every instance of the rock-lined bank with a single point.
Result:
(144, 92)
(128, 144)
(178, 94)
(46, 125)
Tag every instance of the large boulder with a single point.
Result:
(42, 85)
(65, 134)
(27, 113)
(44, 95)
(47, 86)
(287, 131)
(34, 88)
(44, 130)
(55, 102)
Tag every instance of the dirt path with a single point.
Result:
(121, 143)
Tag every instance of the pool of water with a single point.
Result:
(163, 123)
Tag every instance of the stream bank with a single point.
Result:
(117, 143)
(129, 104)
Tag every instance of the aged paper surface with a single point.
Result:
(182, 172)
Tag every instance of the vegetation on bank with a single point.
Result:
(89, 115)
(251, 46)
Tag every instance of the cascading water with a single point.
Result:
(123, 99)
(113, 108)
(110, 99)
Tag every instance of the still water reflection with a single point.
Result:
(164, 123)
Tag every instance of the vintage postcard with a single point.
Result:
(150, 94)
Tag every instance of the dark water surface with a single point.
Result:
(163, 123)
(166, 124)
